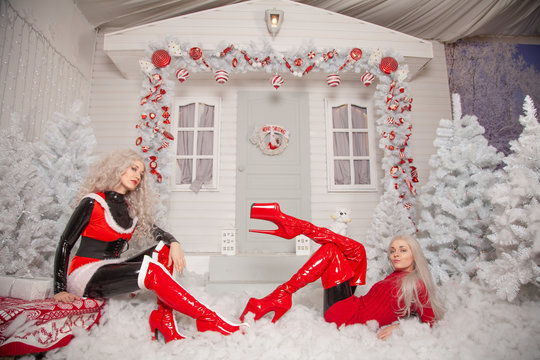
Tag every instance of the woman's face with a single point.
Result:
(401, 255)
(131, 178)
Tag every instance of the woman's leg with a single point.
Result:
(336, 294)
(327, 263)
(115, 279)
(289, 227)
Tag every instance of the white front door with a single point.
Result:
(261, 178)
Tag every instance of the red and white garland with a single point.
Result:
(175, 61)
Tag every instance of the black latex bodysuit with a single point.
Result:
(112, 279)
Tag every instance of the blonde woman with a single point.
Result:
(115, 203)
(340, 263)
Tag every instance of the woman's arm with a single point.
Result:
(176, 254)
(386, 331)
(75, 226)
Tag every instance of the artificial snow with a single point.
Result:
(477, 325)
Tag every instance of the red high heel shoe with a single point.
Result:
(279, 301)
(162, 321)
(288, 226)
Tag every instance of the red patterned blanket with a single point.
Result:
(42, 325)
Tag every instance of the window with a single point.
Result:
(197, 144)
(351, 152)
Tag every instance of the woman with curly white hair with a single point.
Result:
(116, 203)
(341, 265)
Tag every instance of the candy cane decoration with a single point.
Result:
(157, 80)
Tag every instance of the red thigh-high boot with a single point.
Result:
(162, 319)
(327, 263)
(154, 276)
(290, 227)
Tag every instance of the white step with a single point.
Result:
(254, 268)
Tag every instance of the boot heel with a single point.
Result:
(278, 313)
(260, 309)
(277, 232)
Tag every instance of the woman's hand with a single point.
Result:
(176, 257)
(65, 297)
(386, 331)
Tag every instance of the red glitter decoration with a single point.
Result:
(195, 53)
(298, 62)
(388, 65)
(356, 54)
(161, 58)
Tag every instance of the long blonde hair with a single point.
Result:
(105, 175)
(408, 292)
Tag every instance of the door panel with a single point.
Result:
(282, 178)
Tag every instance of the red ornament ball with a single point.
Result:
(356, 54)
(195, 53)
(388, 65)
(333, 80)
(161, 58)
(298, 62)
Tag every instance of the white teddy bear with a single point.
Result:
(341, 218)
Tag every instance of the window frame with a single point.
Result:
(183, 101)
(330, 158)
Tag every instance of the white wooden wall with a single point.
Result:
(197, 219)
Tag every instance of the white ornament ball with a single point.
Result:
(368, 78)
(221, 76)
(277, 81)
(333, 80)
(182, 75)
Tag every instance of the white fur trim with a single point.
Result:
(158, 248)
(109, 218)
(79, 278)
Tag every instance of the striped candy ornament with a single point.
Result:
(333, 80)
(367, 78)
(221, 76)
(182, 75)
(277, 81)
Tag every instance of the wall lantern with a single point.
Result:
(274, 18)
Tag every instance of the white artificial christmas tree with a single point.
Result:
(516, 220)
(455, 215)
(27, 244)
(63, 157)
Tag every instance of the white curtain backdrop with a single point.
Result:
(35, 79)
(442, 20)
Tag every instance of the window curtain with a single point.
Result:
(341, 145)
(185, 143)
(205, 147)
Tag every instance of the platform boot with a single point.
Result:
(155, 277)
(290, 227)
(327, 263)
(162, 319)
